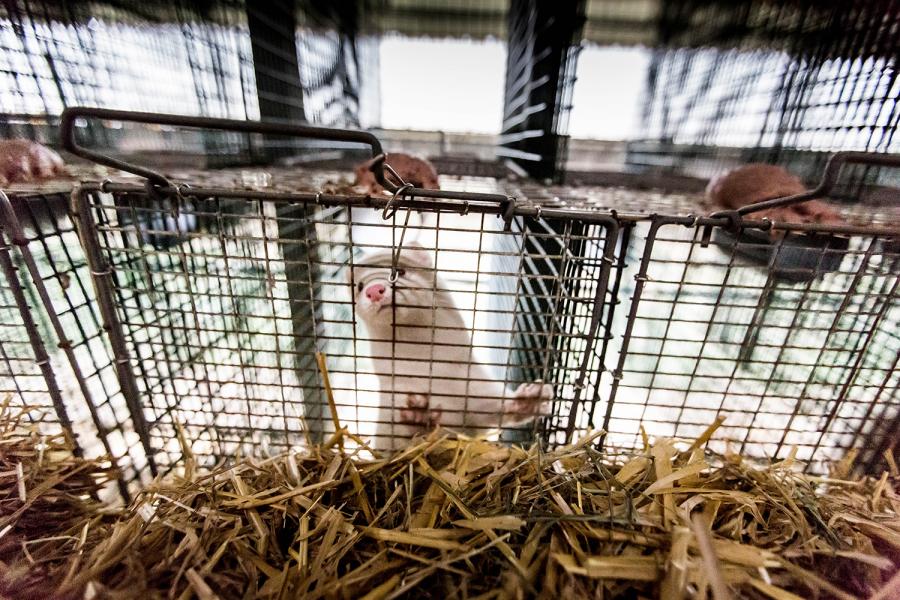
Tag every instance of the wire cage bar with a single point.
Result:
(217, 300)
(65, 373)
(734, 82)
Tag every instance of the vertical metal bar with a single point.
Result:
(271, 283)
(297, 239)
(10, 223)
(611, 225)
(681, 291)
(102, 276)
(518, 295)
(640, 280)
(624, 242)
(553, 347)
(41, 358)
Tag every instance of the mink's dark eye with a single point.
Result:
(359, 286)
(401, 272)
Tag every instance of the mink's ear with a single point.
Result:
(712, 188)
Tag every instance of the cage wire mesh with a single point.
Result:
(224, 59)
(232, 357)
(801, 360)
(59, 363)
(129, 56)
(783, 83)
(634, 321)
(27, 377)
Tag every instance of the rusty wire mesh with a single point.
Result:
(634, 321)
(56, 356)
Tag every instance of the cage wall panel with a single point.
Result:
(805, 366)
(751, 81)
(221, 326)
(56, 281)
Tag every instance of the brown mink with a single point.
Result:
(756, 182)
(416, 171)
(24, 161)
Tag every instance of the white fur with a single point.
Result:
(425, 366)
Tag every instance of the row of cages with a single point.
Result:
(144, 323)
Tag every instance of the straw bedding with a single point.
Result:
(447, 518)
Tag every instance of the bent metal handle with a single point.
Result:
(829, 178)
(72, 114)
(377, 164)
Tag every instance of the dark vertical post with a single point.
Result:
(543, 44)
(272, 26)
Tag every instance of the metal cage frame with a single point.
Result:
(596, 296)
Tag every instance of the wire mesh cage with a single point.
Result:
(540, 317)
(784, 83)
(270, 61)
(58, 363)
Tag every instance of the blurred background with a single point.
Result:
(572, 91)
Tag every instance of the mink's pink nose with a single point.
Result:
(375, 292)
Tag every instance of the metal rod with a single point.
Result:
(610, 238)
(71, 115)
(640, 280)
(41, 358)
(11, 224)
(102, 276)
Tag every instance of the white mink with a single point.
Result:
(425, 366)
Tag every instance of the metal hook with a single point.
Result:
(394, 173)
(181, 190)
(390, 209)
(508, 210)
(395, 255)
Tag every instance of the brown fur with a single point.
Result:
(757, 182)
(24, 161)
(416, 171)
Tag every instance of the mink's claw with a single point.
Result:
(418, 413)
(530, 399)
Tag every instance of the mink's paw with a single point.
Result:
(417, 412)
(530, 400)
(24, 160)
